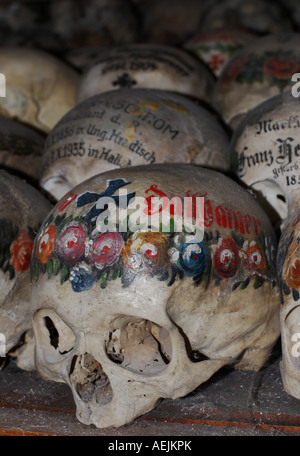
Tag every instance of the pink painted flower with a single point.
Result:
(70, 244)
(105, 250)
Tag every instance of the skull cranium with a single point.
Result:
(127, 127)
(265, 153)
(127, 317)
(23, 209)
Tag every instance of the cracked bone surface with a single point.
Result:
(127, 315)
(259, 71)
(40, 88)
(128, 127)
(23, 209)
(265, 154)
(150, 66)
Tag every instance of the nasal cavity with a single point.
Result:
(90, 380)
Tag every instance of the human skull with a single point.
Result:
(128, 316)
(170, 22)
(261, 70)
(96, 22)
(217, 47)
(259, 16)
(128, 127)
(23, 209)
(20, 148)
(40, 88)
(265, 153)
(152, 66)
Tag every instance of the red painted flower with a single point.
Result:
(45, 243)
(70, 244)
(21, 251)
(254, 258)
(281, 67)
(105, 250)
(226, 258)
(234, 68)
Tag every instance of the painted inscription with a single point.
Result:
(275, 148)
(113, 133)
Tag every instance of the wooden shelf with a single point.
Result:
(233, 403)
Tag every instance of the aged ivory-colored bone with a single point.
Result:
(128, 316)
(127, 127)
(265, 154)
(23, 209)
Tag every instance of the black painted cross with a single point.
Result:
(124, 81)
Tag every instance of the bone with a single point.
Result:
(156, 313)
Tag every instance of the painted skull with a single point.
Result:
(150, 66)
(127, 127)
(23, 209)
(265, 154)
(40, 88)
(217, 47)
(261, 70)
(142, 289)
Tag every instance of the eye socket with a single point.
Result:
(139, 345)
(53, 336)
(57, 186)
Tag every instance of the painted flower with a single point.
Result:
(281, 67)
(254, 259)
(21, 251)
(233, 70)
(190, 257)
(291, 267)
(45, 243)
(81, 279)
(226, 258)
(104, 250)
(146, 252)
(70, 245)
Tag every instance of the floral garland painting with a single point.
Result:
(288, 262)
(72, 249)
(16, 245)
(276, 67)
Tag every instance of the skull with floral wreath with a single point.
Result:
(142, 311)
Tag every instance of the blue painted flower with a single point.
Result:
(191, 257)
(81, 279)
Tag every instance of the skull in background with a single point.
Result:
(23, 209)
(259, 16)
(265, 154)
(127, 127)
(261, 70)
(217, 46)
(93, 23)
(148, 66)
(21, 148)
(170, 22)
(40, 88)
(150, 310)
